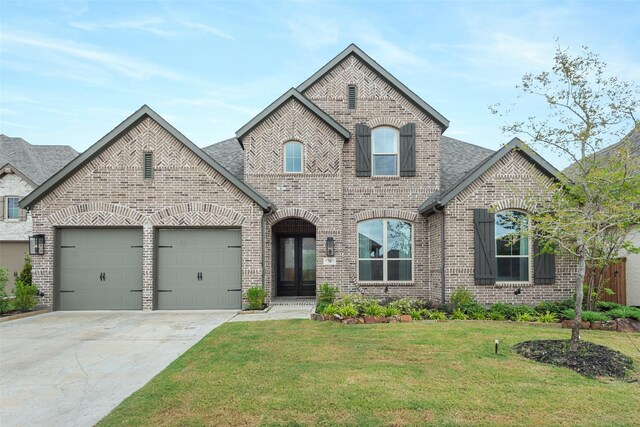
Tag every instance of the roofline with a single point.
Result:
(514, 144)
(387, 76)
(292, 93)
(17, 171)
(131, 121)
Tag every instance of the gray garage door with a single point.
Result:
(100, 269)
(199, 269)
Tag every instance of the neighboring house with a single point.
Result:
(345, 179)
(22, 168)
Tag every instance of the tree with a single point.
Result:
(589, 211)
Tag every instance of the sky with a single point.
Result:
(70, 71)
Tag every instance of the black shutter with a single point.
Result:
(363, 150)
(485, 247)
(408, 150)
(544, 266)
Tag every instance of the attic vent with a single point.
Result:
(352, 97)
(148, 165)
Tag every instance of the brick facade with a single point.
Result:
(14, 229)
(110, 191)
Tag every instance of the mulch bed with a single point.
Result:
(590, 360)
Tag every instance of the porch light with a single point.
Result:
(331, 247)
(36, 244)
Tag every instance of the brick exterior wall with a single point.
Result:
(110, 191)
(505, 185)
(329, 191)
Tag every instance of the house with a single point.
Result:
(345, 179)
(22, 168)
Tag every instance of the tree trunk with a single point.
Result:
(577, 319)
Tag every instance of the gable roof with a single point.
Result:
(440, 199)
(352, 49)
(229, 154)
(457, 157)
(36, 162)
(118, 131)
(10, 169)
(292, 93)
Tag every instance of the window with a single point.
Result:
(384, 144)
(512, 247)
(148, 165)
(351, 89)
(13, 208)
(293, 157)
(385, 251)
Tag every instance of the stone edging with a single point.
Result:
(23, 315)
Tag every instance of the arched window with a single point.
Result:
(385, 251)
(384, 151)
(512, 246)
(293, 157)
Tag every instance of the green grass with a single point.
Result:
(292, 373)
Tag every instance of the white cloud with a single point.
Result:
(149, 25)
(207, 29)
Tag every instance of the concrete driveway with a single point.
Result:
(73, 368)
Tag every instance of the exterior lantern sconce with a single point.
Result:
(36, 244)
(331, 251)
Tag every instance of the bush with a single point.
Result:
(418, 313)
(256, 296)
(327, 293)
(373, 309)
(495, 315)
(524, 309)
(554, 307)
(595, 316)
(437, 315)
(405, 305)
(547, 317)
(320, 306)
(348, 310)
(390, 311)
(461, 296)
(507, 311)
(458, 315)
(625, 312)
(4, 297)
(606, 305)
(26, 296)
(329, 310)
(525, 317)
(473, 310)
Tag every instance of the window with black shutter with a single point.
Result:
(484, 245)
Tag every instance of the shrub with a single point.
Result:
(554, 307)
(625, 312)
(495, 315)
(507, 311)
(4, 298)
(437, 315)
(327, 293)
(547, 317)
(473, 310)
(595, 316)
(461, 296)
(405, 305)
(525, 317)
(329, 310)
(373, 309)
(524, 309)
(348, 310)
(320, 306)
(390, 311)
(256, 296)
(458, 315)
(606, 305)
(25, 296)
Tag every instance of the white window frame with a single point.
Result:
(529, 255)
(374, 154)
(6, 208)
(385, 258)
(284, 157)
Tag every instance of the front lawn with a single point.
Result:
(326, 374)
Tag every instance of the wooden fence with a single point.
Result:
(615, 276)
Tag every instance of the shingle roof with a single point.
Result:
(36, 162)
(229, 154)
(458, 157)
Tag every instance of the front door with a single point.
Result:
(296, 265)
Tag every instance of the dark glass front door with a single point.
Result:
(296, 265)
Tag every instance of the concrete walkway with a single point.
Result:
(73, 368)
(279, 312)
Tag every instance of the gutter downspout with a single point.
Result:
(442, 258)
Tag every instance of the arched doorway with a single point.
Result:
(295, 250)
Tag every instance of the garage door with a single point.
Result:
(100, 269)
(199, 269)
(12, 258)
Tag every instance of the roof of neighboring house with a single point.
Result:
(457, 157)
(352, 49)
(35, 162)
(441, 198)
(229, 154)
(292, 93)
(120, 130)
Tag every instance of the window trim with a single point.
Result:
(6, 208)
(529, 256)
(144, 165)
(284, 157)
(385, 258)
(396, 153)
